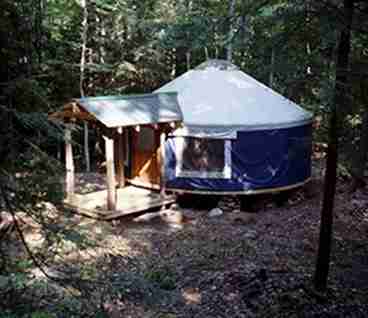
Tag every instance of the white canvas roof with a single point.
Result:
(217, 100)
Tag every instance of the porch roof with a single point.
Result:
(125, 110)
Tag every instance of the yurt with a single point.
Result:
(238, 136)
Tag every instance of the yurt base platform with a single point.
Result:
(243, 192)
(130, 200)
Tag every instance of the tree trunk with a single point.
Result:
(244, 39)
(272, 68)
(119, 157)
(339, 101)
(110, 174)
(162, 163)
(81, 80)
(69, 163)
(86, 147)
(39, 30)
(206, 53)
(102, 36)
(229, 49)
(173, 63)
(187, 55)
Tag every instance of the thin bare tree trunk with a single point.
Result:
(84, 46)
(272, 68)
(229, 49)
(308, 31)
(244, 39)
(69, 163)
(188, 55)
(39, 29)
(206, 53)
(102, 51)
(309, 53)
(86, 147)
(339, 102)
(110, 174)
(81, 80)
(173, 63)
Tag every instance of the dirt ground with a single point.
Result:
(236, 264)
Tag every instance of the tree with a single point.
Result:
(340, 101)
(229, 49)
(84, 6)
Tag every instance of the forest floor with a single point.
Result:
(232, 265)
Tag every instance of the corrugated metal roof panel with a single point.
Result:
(130, 110)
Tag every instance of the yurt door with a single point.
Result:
(145, 153)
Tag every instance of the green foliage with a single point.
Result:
(343, 171)
(12, 287)
(36, 178)
(28, 95)
(40, 314)
(135, 46)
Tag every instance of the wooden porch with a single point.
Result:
(90, 198)
(134, 129)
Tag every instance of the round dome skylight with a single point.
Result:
(221, 65)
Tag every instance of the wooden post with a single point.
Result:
(162, 163)
(86, 147)
(119, 153)
(111, 190)
(69, 163)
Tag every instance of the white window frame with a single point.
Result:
(182, 173)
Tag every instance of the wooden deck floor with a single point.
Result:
(130, 199)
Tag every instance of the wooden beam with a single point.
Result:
(162, 163)
(69, 163)
(91, 213)
(72, 110)
(141, 207)
(110, 172)
(119, 158)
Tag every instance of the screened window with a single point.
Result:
(203, 158)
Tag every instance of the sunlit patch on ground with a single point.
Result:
(182, 262)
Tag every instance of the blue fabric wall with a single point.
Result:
(260, 160)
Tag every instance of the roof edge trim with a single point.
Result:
(255, 127)
(129, 96)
